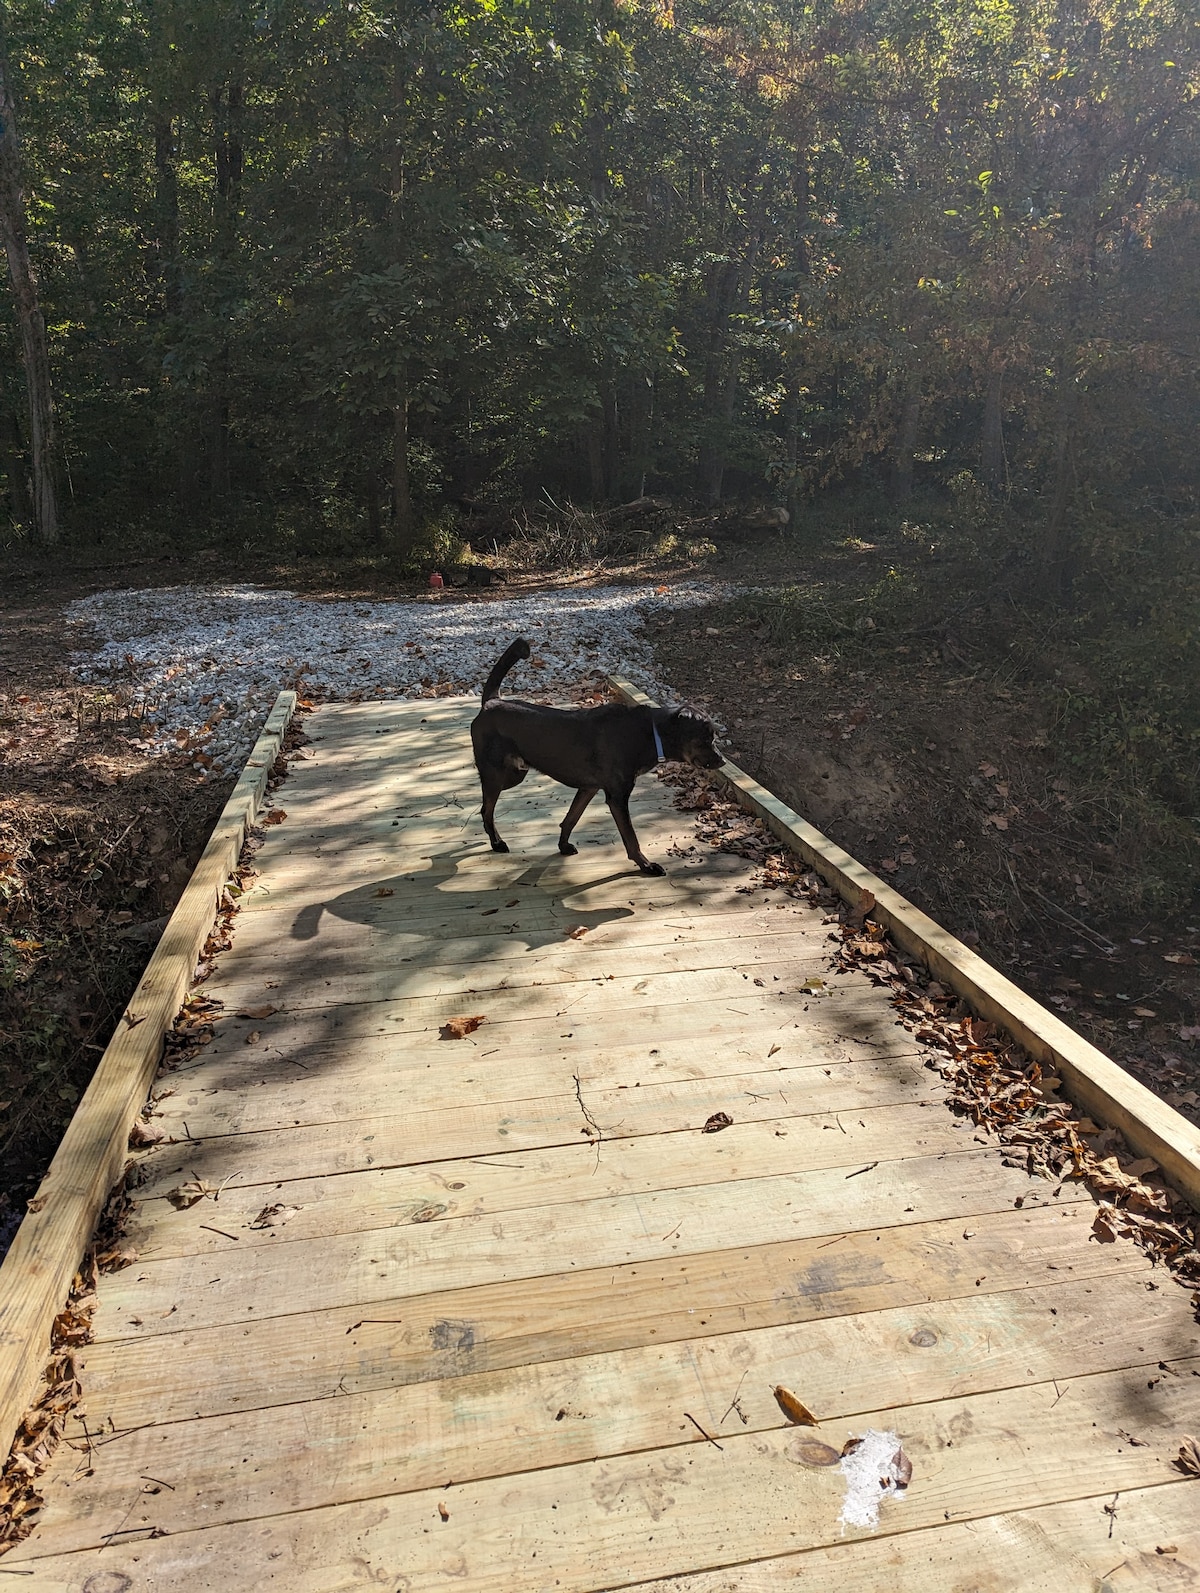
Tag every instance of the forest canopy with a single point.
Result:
(376, 262)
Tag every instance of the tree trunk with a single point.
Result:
(13, 448)
(595, 455)
(992, 463)
(43, 434)
(906, 441)
(1055, 570)
(374, 515)
(792, 414)
(229, 158)
(402, 514)
(166, 204)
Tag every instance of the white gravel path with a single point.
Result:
(210, 660)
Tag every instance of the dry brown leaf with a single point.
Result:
(255, 1012)
(187, 1194)
(901, 1469)
(275, 816)
(274, 1216)
(1189, 1457)
(442, 1511)
(794, 1409)
(253, 1037)
(717, 1122)
(459, 1028)
(578, 932)
(384, 890)
(143, 1134)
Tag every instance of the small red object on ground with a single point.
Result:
(435, 579)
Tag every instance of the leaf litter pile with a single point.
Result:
(992, 1080)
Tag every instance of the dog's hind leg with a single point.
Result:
(494, 780)
(618, 806)
(574, 813)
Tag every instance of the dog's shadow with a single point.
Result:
(373, 905)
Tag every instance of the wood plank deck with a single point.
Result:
(516, 1279)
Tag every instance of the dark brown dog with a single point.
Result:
(592, 749)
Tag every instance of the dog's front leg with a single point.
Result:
(618, 806)
(574, 813)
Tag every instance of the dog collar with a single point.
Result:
(658, 743)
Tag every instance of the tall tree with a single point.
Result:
(43, 439)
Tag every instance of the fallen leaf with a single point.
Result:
(384, 890)
(1190, 1032)
(578, 932)
(1182, 958)
(275, 816)
(143, 1134)
(794, 1409)
(1000, 822)
(717, 1122)
(185, 1195)
(253, 1037)
(274, 1216)
(1145, 1012)
(988, 771)
(459, 1028)
(1189, 1457)
(255, 1012)
(1104, 1224)
(442, 1511)
(901, 1469)
(813, 986)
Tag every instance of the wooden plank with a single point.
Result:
(239, 1090)
(464, 1124)
(315, 974)
(1065, 1548)
(367, 924)
(320, 1038)
(687, 1505)
(1096, 1083)
(495, 1424)
(315, 1355)
(564, 1167)
(419, 1258)
(49, 1245)
(781, 996)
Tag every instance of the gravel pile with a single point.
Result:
(207, 662)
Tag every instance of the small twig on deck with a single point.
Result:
(1058, 1395)
(1110, 1510)
(865, 1169)
(377, 1321)
(588, 1118)
(701, 1431)
(208, 1227)
(734, 1400)
(158, 1480)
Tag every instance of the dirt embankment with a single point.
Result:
(941, 774)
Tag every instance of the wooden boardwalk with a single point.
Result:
(465, 1309)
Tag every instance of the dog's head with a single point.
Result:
(692, 739)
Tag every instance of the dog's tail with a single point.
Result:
(519, 649)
